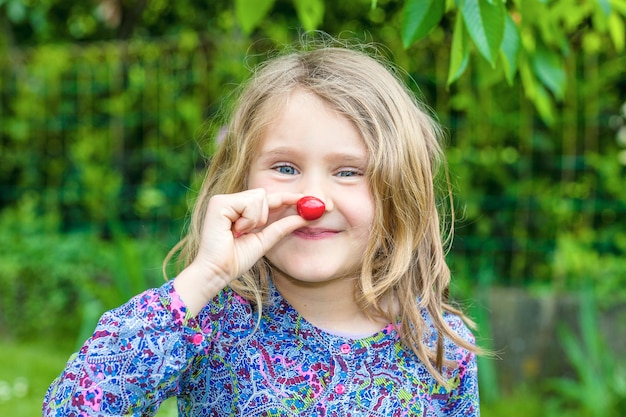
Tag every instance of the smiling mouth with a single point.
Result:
(314, 233)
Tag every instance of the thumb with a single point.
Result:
(276, 231)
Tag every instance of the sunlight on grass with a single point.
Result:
(168, 409)
(26, 371)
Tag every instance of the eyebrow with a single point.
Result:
(286, 151)
(278, 152)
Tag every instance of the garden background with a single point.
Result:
(104, 134)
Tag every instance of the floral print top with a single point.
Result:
(218, 364)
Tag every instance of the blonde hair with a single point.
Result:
(405, 257)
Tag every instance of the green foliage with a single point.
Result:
(420, 18)
(310, 13)
(485, 22)
(577, 263)
(117, 136)
(110, 137)
(531, 38)
(459, 55)
(522, 403)
(42, 275)
(510, 49)
(250, 13)
(600, 387)
(52, 283)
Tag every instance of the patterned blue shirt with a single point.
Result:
(218, 364)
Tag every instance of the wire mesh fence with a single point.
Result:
(115, 132)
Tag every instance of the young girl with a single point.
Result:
(276, 315)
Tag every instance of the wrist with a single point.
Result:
(198, 284)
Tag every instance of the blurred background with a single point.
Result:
(104, 106)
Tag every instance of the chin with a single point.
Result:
(311, 274)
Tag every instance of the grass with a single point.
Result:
(26, 371)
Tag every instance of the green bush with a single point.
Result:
(55, 284)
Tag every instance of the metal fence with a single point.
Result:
(114, 132)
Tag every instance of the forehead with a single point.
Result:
(305, 120)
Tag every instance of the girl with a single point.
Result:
(275, 315)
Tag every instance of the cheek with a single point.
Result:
(361, 213)
(261, 180)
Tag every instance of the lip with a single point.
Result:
(314, 233)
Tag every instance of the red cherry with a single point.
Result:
(310, 208)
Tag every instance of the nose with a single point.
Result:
(316, 188)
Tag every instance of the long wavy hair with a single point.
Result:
(405, 257)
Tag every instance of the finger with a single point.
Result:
(279, 229)
(251, 215)
(251, 211)
(255, 215)
(226, 209)
(278, 200)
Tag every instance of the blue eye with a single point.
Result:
(348, 173)
(286, 169)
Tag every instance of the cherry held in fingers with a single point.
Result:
(310, 208)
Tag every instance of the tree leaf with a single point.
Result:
(249, 13)
(543, 104)
(605, 5)
(535, 92)
(510, 48)
(528, 81)
(617, 31)
(459, 53)
(485, 24)
(420, 17)
(310, 13)
(549, 69)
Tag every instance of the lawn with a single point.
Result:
(26, 371)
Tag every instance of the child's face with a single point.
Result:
(310, 149)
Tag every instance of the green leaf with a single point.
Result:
(617, 31)
(420, 17)
(485, 24)
(535, 92)
(549, 69)
(250, 13)
(543, 104)
(605, 5)
(459, 54)
(510, 48)
(310, 12)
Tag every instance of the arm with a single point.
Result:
(463, 399)
(132, 362)
(139, 351)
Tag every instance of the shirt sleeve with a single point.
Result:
(463, 398)
(134, 360)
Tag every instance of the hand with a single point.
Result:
(235, 235)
